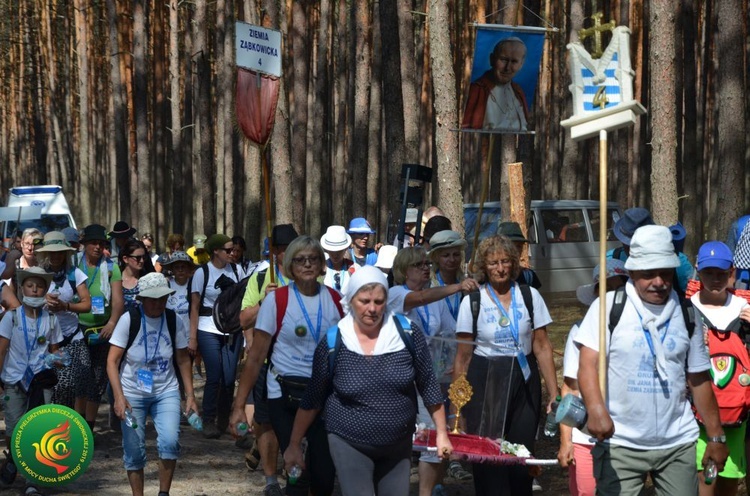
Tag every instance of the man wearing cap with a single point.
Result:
(513, 231)
(198, 251)
(258, 287)
(119, 235)
(717, 313)
(360, 231)
(644, 423)
(335, 241)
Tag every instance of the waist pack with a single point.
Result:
(292, 389)
(730, 370)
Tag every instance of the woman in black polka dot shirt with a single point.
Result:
(368, 397)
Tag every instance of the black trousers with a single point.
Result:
(320, 473)
(503, 404)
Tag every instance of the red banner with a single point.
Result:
(257, 96)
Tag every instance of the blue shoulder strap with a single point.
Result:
(333, 339)
(405, 331)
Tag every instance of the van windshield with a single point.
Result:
(46, 224)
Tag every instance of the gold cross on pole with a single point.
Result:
(596, 31)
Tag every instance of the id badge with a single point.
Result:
(97, 305)
(145, 380)
(28, 376)
(524, 363)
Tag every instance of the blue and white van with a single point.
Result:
(55, 212)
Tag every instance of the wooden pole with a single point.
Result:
(267, 195)
(518, 205)
(485, 187)
(603, 263)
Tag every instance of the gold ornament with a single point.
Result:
(460, 393)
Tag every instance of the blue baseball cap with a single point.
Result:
(359, 225)
(714, 254)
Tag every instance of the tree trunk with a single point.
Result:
(360, 58)
(141, 208)
(663, 24)
(298, 109)
(446, 141)
(85, 180)
(731, 125)
(203, 130)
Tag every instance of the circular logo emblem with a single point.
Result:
(300, 331)
(38, 203)
(52, 445)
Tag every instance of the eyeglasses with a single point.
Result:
(137, 258)
(306, 260)
(34, 243)
(422, 265)
(337, 281)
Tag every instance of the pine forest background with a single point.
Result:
(130, 107)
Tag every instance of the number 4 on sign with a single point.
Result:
(600, 98)
(260, 61)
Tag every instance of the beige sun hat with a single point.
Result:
(23, 274)
(55, 241)
(154, 285)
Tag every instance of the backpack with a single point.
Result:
(730, 361)
(226, 311)
(475, 299)
(621, 297)
(333, 339)
(206, 311)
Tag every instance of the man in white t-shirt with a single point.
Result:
(644, 423)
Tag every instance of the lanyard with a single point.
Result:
(356, 260)
(649, 340)
(30, 345)
(145, 337)
(426, 319)
(314, 331)
(280, 277)
(512, 323)
(91, 279)
(456, 299)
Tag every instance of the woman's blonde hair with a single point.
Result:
(404, 258)
(299, 244)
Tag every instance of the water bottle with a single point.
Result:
(294, 474)
(57, 358)
(130, 419)
(710, 472)
(241, 428)
(550, 425)
(195, 420)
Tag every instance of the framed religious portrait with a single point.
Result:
(504, 78)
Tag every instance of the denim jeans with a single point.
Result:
(164, 409)
(220, 355)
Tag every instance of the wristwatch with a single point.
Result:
(718, 439)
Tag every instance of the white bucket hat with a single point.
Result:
(335, 239)
(154, 285)
(651, 248)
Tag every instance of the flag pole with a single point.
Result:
(603, 262)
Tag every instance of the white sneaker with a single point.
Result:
(535, 486)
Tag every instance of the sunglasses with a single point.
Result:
(137, 258)
(305, 260)
(227, 250)
(422, 265)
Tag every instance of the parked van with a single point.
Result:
(563, 238)
(55, 212)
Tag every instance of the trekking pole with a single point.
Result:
(603, 262)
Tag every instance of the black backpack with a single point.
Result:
(226, 312)
(621, 297)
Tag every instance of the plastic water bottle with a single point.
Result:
(710, 472)
(57, 358)
(550, 425)
(294, 474)
(241, 428)
(195, 420)
(130, 419)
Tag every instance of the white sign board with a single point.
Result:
(31, 212)
(602, 89)
(258, 48)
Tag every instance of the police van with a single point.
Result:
(50, 213)
(563, 238)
